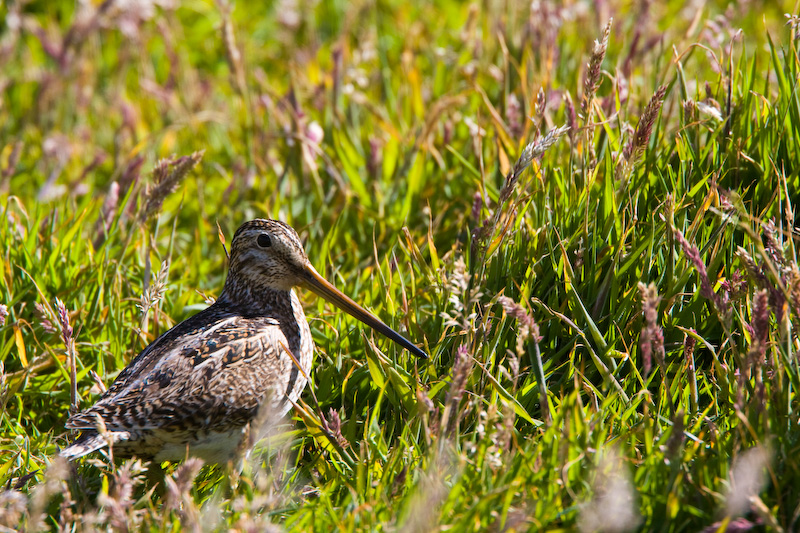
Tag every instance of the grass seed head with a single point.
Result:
(375, 159)
(793, 21)
(735, 287)
(644, 129)
(462, 367)
(54, 483)
(572, 116)
(63, 320)
(706, 290)
(528, 328)
(593, 71)
(167, 175)
(531, 151)
(689, 111)
(333, 426)
(463, 300)
(651, 339)
(755, 271)
(793, 287)
(424, 400)
(179, 496)
(772, 246)
(118, 510)
(155, 292)
(541, 105)
(758, 328)
(477, 206)
(689, 344)
(130, 175)
(43, 317)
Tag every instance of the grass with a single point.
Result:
(610, 310)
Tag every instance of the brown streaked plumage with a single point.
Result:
(199, 385)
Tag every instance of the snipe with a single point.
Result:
(198, 386)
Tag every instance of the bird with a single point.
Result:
(195, 390)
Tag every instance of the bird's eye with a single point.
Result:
(264, 241)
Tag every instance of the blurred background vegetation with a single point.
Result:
(609, 309)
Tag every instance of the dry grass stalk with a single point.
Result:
(333, 427)
(593, 72)
(69, 345)
(651, 340)
(590, 85)
(541, 105)
(232, 52)
(167, 175)
(154, 293)
(528, 328)
(758, 328)
(118, 504)
(529, 153)
(689, 344)
(641, 137)
(706, 289)
(461, 371)
(572, 116)
(179, 497)
(533, 150)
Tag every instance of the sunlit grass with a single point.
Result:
(609, 308)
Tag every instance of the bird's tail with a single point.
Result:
(91, 441)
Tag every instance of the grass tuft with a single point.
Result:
(590, 227)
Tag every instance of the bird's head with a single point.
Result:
(268, 255)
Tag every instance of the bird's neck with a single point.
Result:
(250, 299)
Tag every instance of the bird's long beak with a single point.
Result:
(321, 287)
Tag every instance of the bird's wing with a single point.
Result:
(210, 370)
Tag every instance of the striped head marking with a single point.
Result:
(268, 253)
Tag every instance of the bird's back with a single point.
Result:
(202, 382)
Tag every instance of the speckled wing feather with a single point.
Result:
(208, 374)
